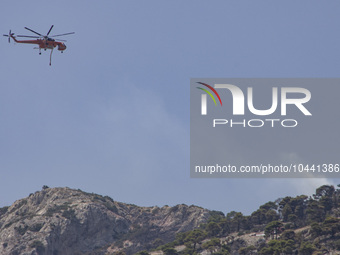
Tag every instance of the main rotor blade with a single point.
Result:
(33, 31)
(49, 30)
(63, 34)
(28, 36)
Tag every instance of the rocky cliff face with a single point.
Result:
(63, 221)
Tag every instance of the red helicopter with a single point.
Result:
(44, 41)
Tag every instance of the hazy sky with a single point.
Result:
(111, 115)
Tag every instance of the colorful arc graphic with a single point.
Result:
(213, 90)
(208, 92)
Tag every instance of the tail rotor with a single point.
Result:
(9, 35)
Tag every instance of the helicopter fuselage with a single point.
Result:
(43, 43)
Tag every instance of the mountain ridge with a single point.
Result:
(67, 221)
(301, 225)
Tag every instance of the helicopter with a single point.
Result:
(43, 41)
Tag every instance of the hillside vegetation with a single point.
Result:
(290, 225)
(64, 221)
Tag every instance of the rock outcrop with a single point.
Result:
(64, 221)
